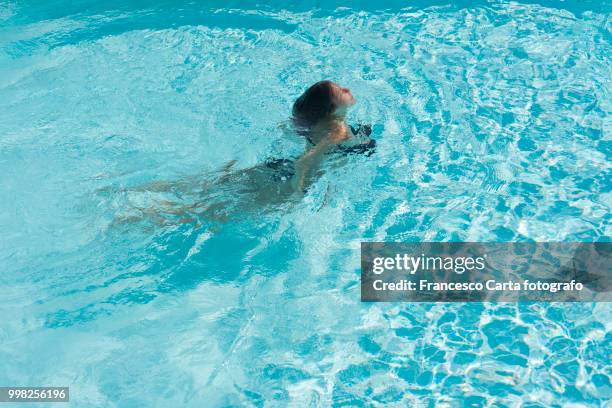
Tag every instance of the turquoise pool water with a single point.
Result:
(493, 124)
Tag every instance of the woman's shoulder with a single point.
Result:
(338, 131)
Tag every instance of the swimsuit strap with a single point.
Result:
(366, 148)
(361, 128)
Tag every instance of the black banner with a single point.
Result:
(486, 272)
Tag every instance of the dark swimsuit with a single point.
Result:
(284, 169)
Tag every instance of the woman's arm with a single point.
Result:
(306, 165)
(309, 163)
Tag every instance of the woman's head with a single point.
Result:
(321, 101)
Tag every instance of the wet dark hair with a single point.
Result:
(315, 104)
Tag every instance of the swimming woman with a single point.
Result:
(319, 117)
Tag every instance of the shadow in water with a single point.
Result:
(185, 12)
(112, 18)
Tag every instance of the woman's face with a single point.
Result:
(344, 97)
